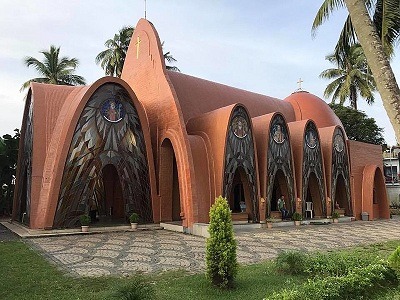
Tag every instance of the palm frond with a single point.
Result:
(324, 12)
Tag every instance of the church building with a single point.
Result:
(165, 144)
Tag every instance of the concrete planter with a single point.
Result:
(85, 228)
(335, 220)
(269, 224)
(134, 226)
(297, 223)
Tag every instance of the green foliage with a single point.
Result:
(84, 220)
(136, 289)
(335, 215)
(394, 260)
(358, 126)
(350, 77)
(297, 216)
(8, 164)
(357, 284)
(221, 246)
(322, 264)
(134, 218)
(292, 262)
(53, 69)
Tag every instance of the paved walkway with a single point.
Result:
(152, 251)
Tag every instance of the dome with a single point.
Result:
(309, 106)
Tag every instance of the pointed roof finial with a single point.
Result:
(299, 82)
(145, 10)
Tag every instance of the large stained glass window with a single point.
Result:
(239, 153)
(108, 138)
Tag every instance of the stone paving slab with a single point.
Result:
(153, 251)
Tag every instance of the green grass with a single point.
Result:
(25, 274)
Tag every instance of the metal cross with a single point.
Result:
(299, 83)
(137, 46)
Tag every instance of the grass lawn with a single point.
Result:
(25, 274)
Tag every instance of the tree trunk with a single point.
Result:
(377, 61)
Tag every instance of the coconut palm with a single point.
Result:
(55, 70)
(112, 59)
(384, 13)
(377, 60)
(351, 77)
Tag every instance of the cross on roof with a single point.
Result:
(299, 82)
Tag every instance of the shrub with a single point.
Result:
(394, 260)
(358, 284)
(335, 215)
(136, 289)
(297, 216)
(134, 218)
(292, 262)
(85, 220)
(221, 246)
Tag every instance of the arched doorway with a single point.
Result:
(239, 198)
(169, 185)
(113, 201)
(280, 187)
(341, 201)
(314, 196)
(379, 198)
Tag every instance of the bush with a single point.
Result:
(321, 264)
(221, 246)
(358, 284)
(335, 215)
(85, 220)
(297, 216)
(394, 260)
(292, 262)
(136, 289)
(134, 218)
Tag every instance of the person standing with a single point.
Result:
(282, 207)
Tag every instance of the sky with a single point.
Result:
(263, 46)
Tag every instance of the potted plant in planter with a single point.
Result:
(85, 221)
(270, 220)
(297, 217)
(335, 216)
(134, 218)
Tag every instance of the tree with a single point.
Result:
(365, 32)
(352, 77)
(112, 59)
(8, 164)
(384, 13)
(55, 70)
(377, 60)
(221, 259)
(358, 126)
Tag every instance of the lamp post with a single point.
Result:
(390, 160)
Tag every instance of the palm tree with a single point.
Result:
(384, 13)
(169, 58)
(55, 70)
(112, 59)
(377, 60)
(352, 77)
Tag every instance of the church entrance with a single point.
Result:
(280, 187)
(239, 198)
(313, 201)
(113, 202)
(341, 202)
(169, 184)
(378, 197)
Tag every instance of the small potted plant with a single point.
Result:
(85, 221)
(270, 220)
(297, 217)
(134, 218)
(335, 217)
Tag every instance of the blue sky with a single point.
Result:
(261, 46)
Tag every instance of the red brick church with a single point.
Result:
(165, 144)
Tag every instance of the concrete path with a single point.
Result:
(152, 251)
